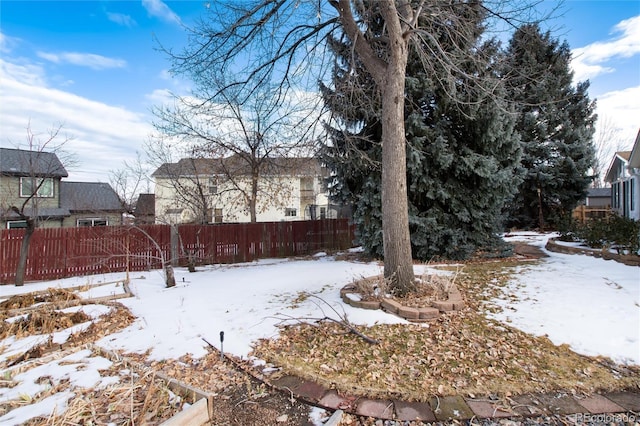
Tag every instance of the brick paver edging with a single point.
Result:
(620, 406)
(629, 260)
(609, 407)
(454, 302)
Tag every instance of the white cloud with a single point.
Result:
(165, 75)
(160, 10)
(622, 108)
(28, 74)
(160, 97)
(101, 136)
(3, 43)
(588, 61)
(7, 43)
(93, 61)
(121, 19)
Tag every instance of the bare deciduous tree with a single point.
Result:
(606, 142)
(129, 181)
(39, 168)
(240, 142)
(277, 41)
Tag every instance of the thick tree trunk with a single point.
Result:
(24, 252)
(398, 262)
(169, 276)
(390, 79)
(253, 199)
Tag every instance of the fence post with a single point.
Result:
(174, 242)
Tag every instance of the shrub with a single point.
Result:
(620, 233)
(624, 235)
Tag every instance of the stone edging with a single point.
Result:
(621, 405)
(628, 260)
(454, 302)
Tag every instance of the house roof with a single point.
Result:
(634, 158)
(146, 205)
(18, 162)
(41, 212)
(619, 157)
(235, 165)
(599, 192)
(89, 196)
(625, 155)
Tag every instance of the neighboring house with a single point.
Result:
(598, 198)
(90, 204)
(596, 205)
(624, 176)
(145, 210)
(56, 203)
(21, 173)
(214, 191)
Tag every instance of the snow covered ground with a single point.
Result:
(591, 304)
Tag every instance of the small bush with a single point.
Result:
(620, 233)
(624, 235)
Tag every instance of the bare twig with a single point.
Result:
(342, 320)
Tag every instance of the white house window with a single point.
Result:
(93, 222)
(41, 187)
(218, 216)
(213, 186)
(16, 224)
(290, 212)
(615, 195)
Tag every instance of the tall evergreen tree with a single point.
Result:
(461, 156)
(556, 125)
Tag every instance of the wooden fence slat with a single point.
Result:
(64, 252)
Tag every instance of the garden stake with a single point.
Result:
(221, 348)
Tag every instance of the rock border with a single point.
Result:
(454, 302)
(626, 259)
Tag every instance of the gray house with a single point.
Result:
(624, 176)
(598, 197)
(31, 183)
(90, 204)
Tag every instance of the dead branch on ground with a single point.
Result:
(342, 320)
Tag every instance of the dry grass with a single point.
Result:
(138, 397)
(44, 321)
(52, 295)
(136, 400)
(462, 353)
(429, 287)
(208, 373)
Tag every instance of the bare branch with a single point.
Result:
(342, 319)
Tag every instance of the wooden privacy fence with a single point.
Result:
(65, 252)
(584, 213)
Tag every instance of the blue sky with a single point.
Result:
(93, 66)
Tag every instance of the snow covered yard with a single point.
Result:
(590, 304)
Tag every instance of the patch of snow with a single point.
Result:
(80, 368)
(318, 416)
(591, 304)
(111, 289)
(56, 403)
(354, 296)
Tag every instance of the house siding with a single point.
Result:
(10, 196)
(276, 196)
(113, 219)
(625, 185)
